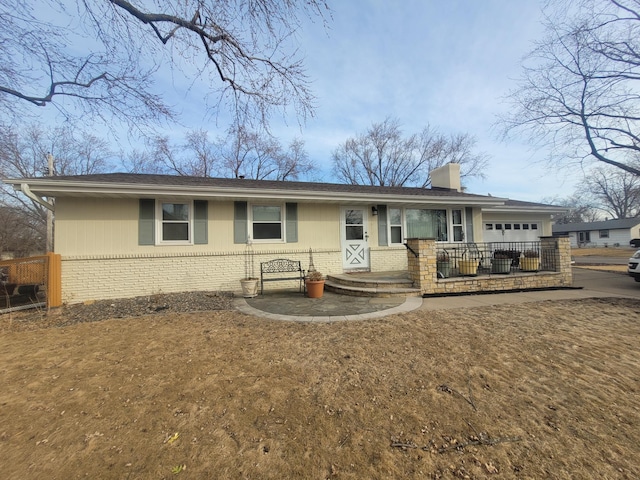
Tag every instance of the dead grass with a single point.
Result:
(605, 268)
(614, 252)
(539, 390)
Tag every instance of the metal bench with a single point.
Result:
(281, 269)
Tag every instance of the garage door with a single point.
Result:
(511, 232)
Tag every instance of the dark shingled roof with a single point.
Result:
(620, 223)
(521, 204)
(174, 180)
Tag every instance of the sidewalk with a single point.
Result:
(293, 306)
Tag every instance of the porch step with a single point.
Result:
(371, 285)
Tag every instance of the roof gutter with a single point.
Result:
(109, 189)
(24, 188)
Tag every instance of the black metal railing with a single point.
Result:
(493, 258)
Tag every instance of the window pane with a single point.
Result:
(457, 217)
(263, 213)
(525, 226)
(417, 226)
(396, 234)
(175, 231)
(354, 233)
(427, 224)
(175, 211)
(395, 216)
(534, 226)
(489, 226)
(354, 217)
(457, 233)
(267, 231)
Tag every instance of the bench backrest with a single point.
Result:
(280, 265)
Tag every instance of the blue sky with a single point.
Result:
(447, 63)
(444, 63)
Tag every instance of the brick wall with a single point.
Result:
(121, 276)
(388, 259)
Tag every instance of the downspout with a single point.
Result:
(24, 188)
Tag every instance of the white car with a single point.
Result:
(633, 268)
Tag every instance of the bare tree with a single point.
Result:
(294, 163)
(140, 161)
(250, 154)
(579, 92)
(99, 58)
(617, 192)
(197, 156)
(205, 153)
(581, 208)
(260, 156)
(19, 235)
(383, 156)
(23, 153)
(243, 153)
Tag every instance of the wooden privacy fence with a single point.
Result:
(30, 276)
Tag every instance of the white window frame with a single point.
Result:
(453, 225)
(402, 225)
(450, 224)
(160, 222)
(283, 222)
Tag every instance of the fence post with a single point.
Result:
(54, 280)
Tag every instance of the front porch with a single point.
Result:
(539, 265)
(470, 268)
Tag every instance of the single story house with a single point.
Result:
(122, 235)
(606, 233)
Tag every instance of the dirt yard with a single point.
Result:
(539, 390)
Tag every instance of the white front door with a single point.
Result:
(354, 236)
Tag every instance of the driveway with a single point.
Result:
(597, 260)
(604, 283)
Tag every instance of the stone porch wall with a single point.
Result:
(556, 270)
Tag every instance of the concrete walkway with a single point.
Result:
(292, 306)
(331, 307)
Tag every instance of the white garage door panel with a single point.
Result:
(512, 235)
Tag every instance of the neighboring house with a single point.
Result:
(602, 234)
(124, 235)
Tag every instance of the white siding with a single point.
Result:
(619, 236)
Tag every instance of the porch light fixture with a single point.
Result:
(374, 210)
